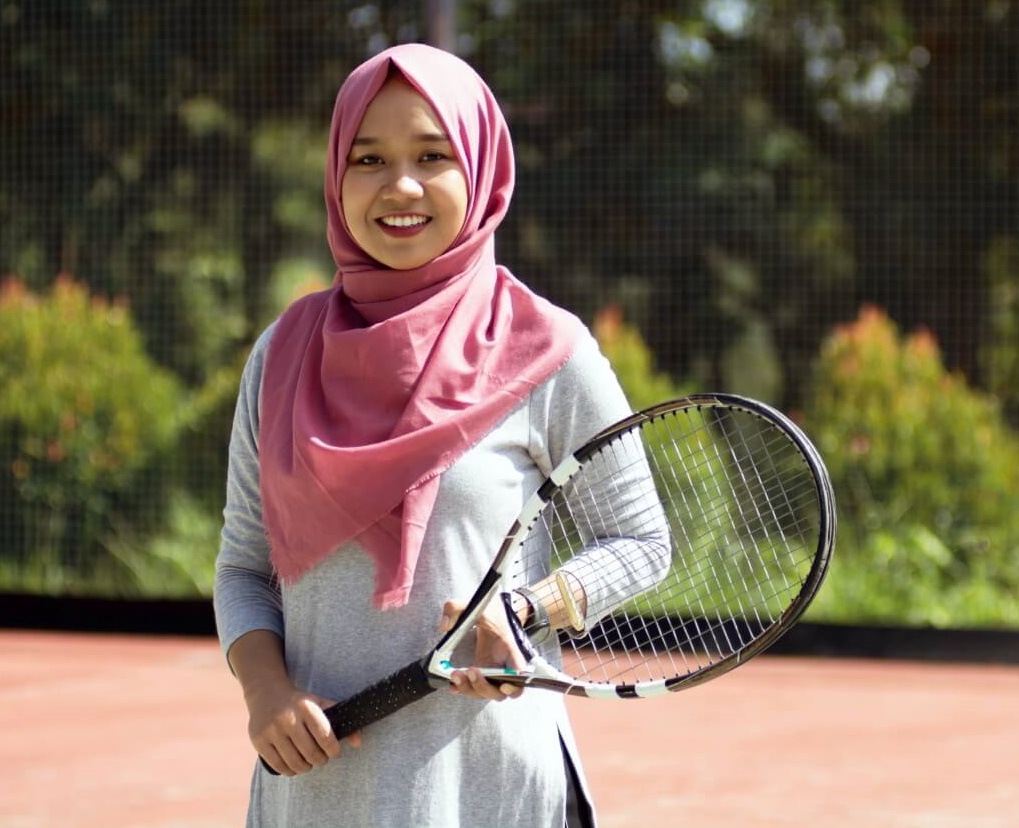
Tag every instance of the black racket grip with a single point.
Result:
(377, 701)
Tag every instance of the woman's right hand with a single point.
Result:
(288, 728)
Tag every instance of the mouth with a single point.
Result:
(403, 225)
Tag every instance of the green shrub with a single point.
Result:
(926, 473)
(84, 416)
(632, 361)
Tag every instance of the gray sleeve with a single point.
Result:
(245, 596)
(570, 408)
(627, 548)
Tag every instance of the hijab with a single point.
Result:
(373, 388)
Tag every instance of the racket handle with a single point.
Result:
(380, 700)
(376, 702)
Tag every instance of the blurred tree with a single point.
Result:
(735, 174)
(739, 175)
(171, 152)
(914, 105)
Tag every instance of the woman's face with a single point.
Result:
(404, 194)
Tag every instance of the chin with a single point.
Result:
(405, 263)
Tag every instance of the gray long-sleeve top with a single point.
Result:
(445, 760)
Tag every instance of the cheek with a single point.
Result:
(455, 189)
(351, 201)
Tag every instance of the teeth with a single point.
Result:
(403, 221)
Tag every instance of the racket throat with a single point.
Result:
(520, 676)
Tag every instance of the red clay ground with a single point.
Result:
(131, 732)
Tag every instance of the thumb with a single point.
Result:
(451, 611)
(325, 703)
(321, 701)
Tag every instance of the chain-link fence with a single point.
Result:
(812, 203)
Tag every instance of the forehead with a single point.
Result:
(397, 106)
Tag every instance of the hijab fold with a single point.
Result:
(373, 388)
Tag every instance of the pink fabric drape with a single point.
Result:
(372, 388)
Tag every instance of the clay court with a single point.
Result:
(149, 732)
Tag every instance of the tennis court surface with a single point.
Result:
(149, 732)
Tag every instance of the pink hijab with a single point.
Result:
(373, 388)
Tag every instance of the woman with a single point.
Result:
(387, 432)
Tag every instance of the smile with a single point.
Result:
(403, 221)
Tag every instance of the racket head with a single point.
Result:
(676, 545)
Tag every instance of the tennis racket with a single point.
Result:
(670, 548)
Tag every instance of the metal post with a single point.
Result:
(440, 20)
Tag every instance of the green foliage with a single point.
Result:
(632, 361)
(86, 422)
(731, 173)
(1002, 353)
(926, 473)
(87, 405)
(177, 561)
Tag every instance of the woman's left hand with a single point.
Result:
(495, 648)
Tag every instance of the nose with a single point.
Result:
(403, 185)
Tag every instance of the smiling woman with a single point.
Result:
(388, 430)
(404, 193)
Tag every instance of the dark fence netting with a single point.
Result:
(812, 203)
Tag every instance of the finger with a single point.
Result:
(293, 761)
(457, 682)
(307, 744)
(503, 653)
(496, 652)
(275, 761)
(511, 691)
(320, 729)
(482, 687)
(464, 686)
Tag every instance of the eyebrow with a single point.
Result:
(421, 137)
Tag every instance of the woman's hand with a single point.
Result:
(286, 725)
(495, 648)
(289, 730)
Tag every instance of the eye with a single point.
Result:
(365, 161)
(433, 156)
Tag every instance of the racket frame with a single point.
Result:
(435, 670)
(539, 672)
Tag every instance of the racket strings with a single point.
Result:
(689, 534)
